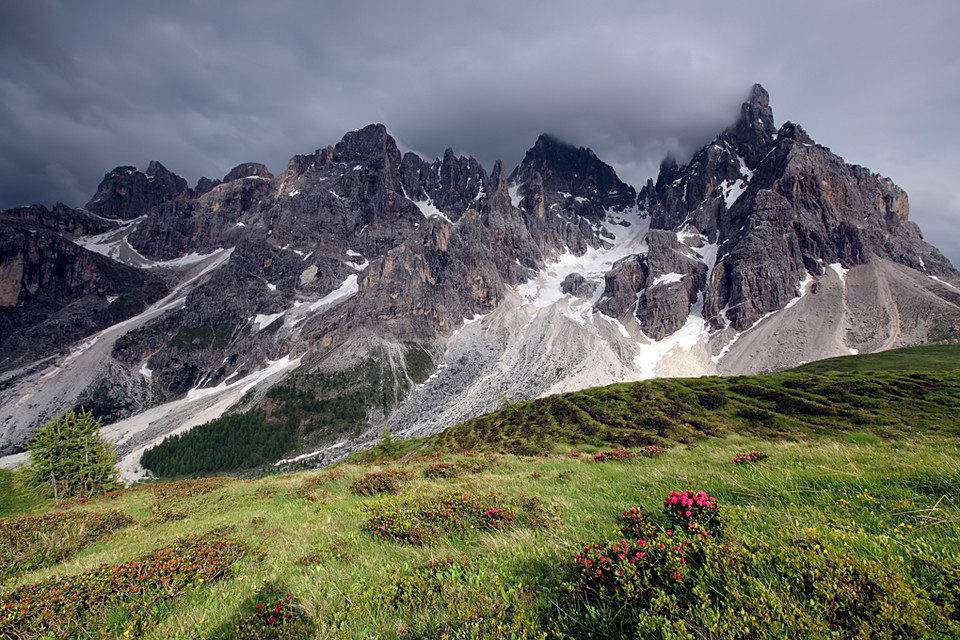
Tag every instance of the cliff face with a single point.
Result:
(53, 292)
(426, 291)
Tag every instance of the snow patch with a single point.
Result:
(428, 210)
(294, 192)
(666, 278)
(247, 383)
(629, 230)
(307, 456)
(733, 189)
(348, 288)
(514, 193)
(943, 282)
(803, 288)
(359, 263)
(685, 338)
(262, 321)
(840, 271)
(184, 261)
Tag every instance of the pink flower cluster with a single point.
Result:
(689, 499)
(690, 507)
(651, 452)
(753, 456)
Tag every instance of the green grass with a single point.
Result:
(782, 406)
(17, 498)
(889, 504)
(937, 357)
(850, 528)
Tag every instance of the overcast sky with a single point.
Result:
(204, 86)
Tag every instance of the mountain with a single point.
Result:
(361, 287)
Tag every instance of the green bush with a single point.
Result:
(421, 522)
(374, 482)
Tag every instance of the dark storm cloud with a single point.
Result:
(204, 86)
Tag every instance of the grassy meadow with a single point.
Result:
(847, 524)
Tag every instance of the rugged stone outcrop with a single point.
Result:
(126, 193)
(75, 222)
(53, 292)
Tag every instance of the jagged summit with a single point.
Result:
(564, 168)
(126, 193)
(752, 135)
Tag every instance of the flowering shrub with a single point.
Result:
(272, 614)
(188, 488)
(749, 458)
(374, 482)
(72, 606)
(663, 585)
(421, 522)
(622, 455)
(618, 455)
(629, 570)
(31, 542)
(441, 470)
(694, 511)
(163, 513)
(633, 520)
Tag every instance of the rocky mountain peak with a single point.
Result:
(564, 168)
(752, 135)
(371, 273)
(372, 141)
(791, 131)
(247, 170)
(126, 193)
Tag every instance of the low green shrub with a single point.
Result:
(441, 470)
(32, 542)
(422, 521)
(272, 613)
(374, 482)
(128, 592)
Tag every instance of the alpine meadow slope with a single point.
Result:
(808, 505)
(370, 288)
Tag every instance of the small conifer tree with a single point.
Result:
(387, 444)
(68, 455)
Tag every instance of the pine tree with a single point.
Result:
(68, 455)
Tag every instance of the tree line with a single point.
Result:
(231, 442)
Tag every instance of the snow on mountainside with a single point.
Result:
(422, 293)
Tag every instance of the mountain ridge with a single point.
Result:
(439, 289)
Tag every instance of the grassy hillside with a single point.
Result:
(936, 357)
(846, 525)
(783, 406)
